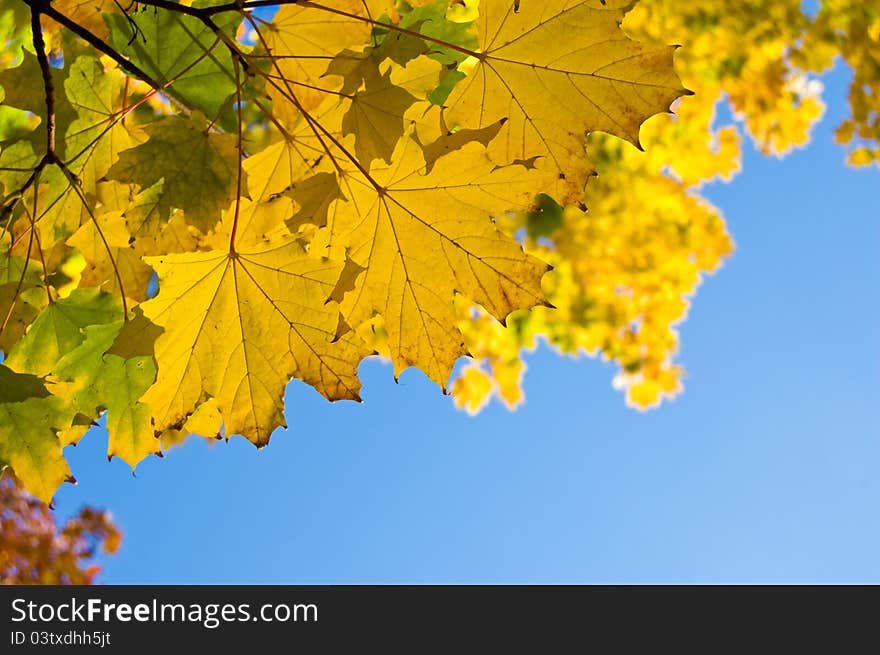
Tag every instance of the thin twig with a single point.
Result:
(71, 179)
(240, 156)
(27, 259)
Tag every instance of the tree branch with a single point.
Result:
(243, 5)
(98, 43)
(49, 88)
(201, 12)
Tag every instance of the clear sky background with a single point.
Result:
(767, 469)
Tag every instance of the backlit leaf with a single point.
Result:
(238, 326)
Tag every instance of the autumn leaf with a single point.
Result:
(88, 13)
(239, 325)
(112, 262)
(179, 51)
(61, 328)
(303, 40)
(30, 418)
(422, 237)
(376, 114)
(91, 380)
(21, 296)
(195, 165)
(553, 89)
(18, 92)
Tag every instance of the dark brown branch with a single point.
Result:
(39, 8)
(46, 70)
(251, 4)
(100, 45)
(15, 197)
(174, 6)
(231, 6)
(243, 5)
(224, 38)
(204, 15)
(201, 12)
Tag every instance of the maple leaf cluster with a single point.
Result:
(202, 201)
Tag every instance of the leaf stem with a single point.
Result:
(27, 258)
(74, 183)
(36, 234)
(232, 232)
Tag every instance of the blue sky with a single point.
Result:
(767, 469)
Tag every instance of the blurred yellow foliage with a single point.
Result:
(624, 270)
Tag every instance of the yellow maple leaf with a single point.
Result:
(422, 237)
(107, 246)
(556, 70)
(197, 167)
(377, 109)
(86, 13)
(238, 326)
(303, 40)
